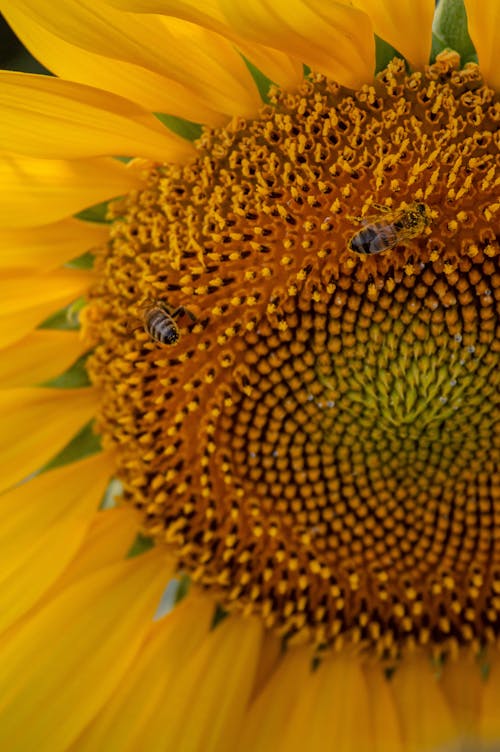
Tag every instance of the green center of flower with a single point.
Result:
(315, 430)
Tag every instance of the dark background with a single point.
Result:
(13, 55)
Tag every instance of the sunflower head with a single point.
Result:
(318, 442)
(289, 352)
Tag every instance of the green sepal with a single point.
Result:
(183, 128)
(184, 582)
(219, 615)
(83, 444)
(85, 261)
(262, 82)
(75, 377)
(96, 213)
(449, 31)
(66, 318)
(384, 53)
(141, 544)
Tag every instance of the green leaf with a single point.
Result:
(449, 31)
(83, 444)
(183, 128)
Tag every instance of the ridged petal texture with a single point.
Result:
(204, 63)
(47, 117)
(35, 424)
(406, 24)
(278, 66)
(152, 90)
(109, 539)
(50, 245)
(484, 28)
(61, 666)
(27, 299)
(188, 688)
(425, 712)
(489, 723)
(38, 191)
(212, 691)
(333, 38)
(43, 524)
(464, 683)
(342, 706)
(39, 356)
(138, 707)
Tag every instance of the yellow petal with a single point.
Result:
(332, 38)
(269, 659)
(108, 539)
(320, 710)
(489, 722)
(406, 24)
(43, 524)
(386, 726)
(212, 689)
(46, 117)
(425, 713)
(280, 68)
(38, 191)
(277, 66)
(50, 245)
(61, 666)
(209, 64)
(27, 299)
(463, 686)
(38, 357)
(484, 29)
(143, 700)
(203, 62)
(36, 423)
(153, 91)
(347, 693)
(275, 706)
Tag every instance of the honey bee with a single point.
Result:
(161, 325)
(389, 228)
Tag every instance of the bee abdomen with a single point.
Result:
(368, 240)
(161, 326)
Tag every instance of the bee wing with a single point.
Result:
(374, 219)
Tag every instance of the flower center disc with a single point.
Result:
(321, 443)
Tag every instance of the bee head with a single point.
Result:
(423, 211)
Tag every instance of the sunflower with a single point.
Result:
(250, 321)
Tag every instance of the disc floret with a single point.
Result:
(321, 445)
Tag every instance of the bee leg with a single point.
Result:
(181, 311)
(382, 208)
